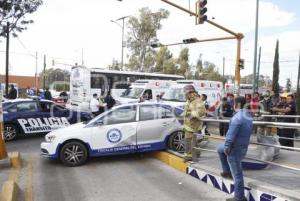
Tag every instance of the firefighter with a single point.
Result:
(194, 111)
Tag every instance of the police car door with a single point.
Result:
(53, 115)
(27, 116)
(156, 122)
(115, 132)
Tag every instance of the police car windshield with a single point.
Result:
(174, 94)
(133, 93)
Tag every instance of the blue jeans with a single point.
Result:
(233, 164)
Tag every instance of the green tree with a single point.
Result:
(142, 33)
(199, 65)
(183, 62)
(14, 11)
(170, 67)
(115, 65)
(275, 85)
(161, 59)
(209, 72)
(56, 75)
(248, 79)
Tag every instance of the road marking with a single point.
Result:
(29, 187)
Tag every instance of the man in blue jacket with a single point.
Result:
(235, 148)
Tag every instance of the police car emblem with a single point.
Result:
(114, 135)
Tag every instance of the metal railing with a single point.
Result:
(254, 159)
(259, 123)
(280, 116)
(262, 144)
(196, 149)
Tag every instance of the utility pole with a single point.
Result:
(122, 44)
(122, 59)
(258, 68)
(255, 47)
(224, 68)
(36, 70)
(82, 63)
(44, 73)
(298, 89)
(237, 36)
(7, 59)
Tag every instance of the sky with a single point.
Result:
(69, 31)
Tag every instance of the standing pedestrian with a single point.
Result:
(288, 109)
(109, 100)
(48, 95)
(94, 105)
(234, 149)
(12, 93)
(193, 112)
(206, 105)
(225, 111)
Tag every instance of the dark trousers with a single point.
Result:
(223, 128)
(95, 113)
(288, 133)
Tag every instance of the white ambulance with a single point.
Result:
(147, 89)
(212, 89)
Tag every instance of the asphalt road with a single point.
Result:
(121, 178)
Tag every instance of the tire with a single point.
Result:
(176, 141)
(10, 132)
(73, 154)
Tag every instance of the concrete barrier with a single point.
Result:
(10, 191)
(15, 159)
(170, 159)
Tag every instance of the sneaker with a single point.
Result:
(226, 175)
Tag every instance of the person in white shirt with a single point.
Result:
(94, 105)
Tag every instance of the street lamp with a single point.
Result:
(122, 26)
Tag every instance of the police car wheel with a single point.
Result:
(73, 154)
(176, 141)
(10, 132)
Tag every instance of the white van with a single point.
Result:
(175, 95)
(148, 89)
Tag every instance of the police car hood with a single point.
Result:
(69, 130)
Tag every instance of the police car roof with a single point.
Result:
(25, 100)
(143, 103)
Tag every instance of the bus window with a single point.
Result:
(96, 82)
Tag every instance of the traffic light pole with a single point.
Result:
(238, 36)
(3, 153)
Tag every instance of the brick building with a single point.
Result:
(23, 81)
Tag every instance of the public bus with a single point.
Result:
(84, 82)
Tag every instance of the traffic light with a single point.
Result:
(190, 40)
(201, 11)
(241, 63)
(155, 45)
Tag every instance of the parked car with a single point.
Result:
(33, 116)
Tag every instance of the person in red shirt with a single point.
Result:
(255, 103)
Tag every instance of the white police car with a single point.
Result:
(33, 116)
(138, 127)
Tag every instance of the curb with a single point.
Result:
(10, 191)
(171, 160)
